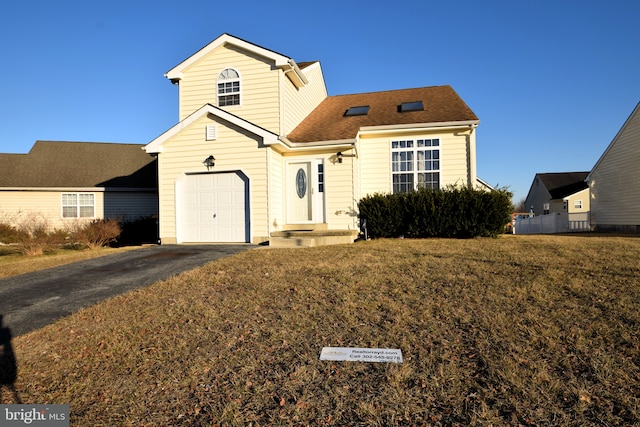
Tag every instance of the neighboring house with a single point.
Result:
(65, 182)
(262, 153)
(564, 192)
(615, 181)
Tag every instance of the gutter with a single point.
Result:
(309, 146)
(468, 124)
(81, 189)
(294, 73)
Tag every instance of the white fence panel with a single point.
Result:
(552, 223)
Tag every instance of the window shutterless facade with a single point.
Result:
(228, 88)
(78, 205)
(415, 164)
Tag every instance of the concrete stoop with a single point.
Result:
(311, 238)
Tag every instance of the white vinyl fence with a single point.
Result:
(553, 223)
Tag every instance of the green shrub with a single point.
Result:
(458, 212)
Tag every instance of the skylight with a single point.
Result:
(362, 110)
(410, 106)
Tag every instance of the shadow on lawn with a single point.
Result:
(8, 365)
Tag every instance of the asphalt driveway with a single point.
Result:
(33, 300)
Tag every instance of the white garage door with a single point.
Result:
(212, 208)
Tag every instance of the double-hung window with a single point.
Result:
(415, 164)
(78, 205)
(228, 88)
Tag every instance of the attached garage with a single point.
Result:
(212, 208)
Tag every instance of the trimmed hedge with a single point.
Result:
(452, 212)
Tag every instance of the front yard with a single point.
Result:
(518, 330)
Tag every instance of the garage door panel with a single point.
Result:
(212, 208)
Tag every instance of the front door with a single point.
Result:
(305, 192)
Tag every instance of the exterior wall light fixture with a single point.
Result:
(209, 162)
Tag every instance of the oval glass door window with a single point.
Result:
(301, 183)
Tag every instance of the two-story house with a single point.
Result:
(614, 181)
(261, 153)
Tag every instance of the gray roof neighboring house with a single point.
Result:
(63, 164)
(563, 184)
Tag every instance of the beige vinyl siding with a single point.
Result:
(339, 193)
(259, 93)
(375, 160)
(298, 103)
(615, 180)
(234, 150)
(454, 155)
(20, 205)
(276, 191)
(583, 196)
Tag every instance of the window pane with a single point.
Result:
(86, 199)
(69, 212)
(402, 183)
(69, 199)
(86, 211)
(321, 178)
(429, 180)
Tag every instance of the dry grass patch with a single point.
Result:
(533, 330)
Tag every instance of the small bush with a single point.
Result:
(34, 236)
(8, 234)
(95, 234)
(453, 212)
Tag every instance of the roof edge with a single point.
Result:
(155, 146)
(175, 74)
(635, 111)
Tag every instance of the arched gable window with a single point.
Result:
(228, 87)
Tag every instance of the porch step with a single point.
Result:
(310, 238)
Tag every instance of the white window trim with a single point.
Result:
(577, 204)
(77, 206)
(415, 160)
(239, 80)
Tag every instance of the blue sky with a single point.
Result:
(551, 81)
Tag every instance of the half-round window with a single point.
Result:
(228, 87)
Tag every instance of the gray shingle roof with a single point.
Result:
(563, 184)
(79, 164)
